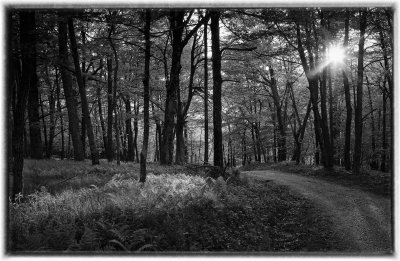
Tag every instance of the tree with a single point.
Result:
(146, 97)
(320, 123)
(179, 41)
(28, 79)
(35, 136)
(349, 111)
(183, 106)
(358, 120)
(110, 103)
(205, 94)
(82, 91)
(69, 93)
(217, 87)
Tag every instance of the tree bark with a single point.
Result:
(146, 98)
(136, 128)
(217, 88)
(327, 151)
(312, 79)
(59, 109)
(205, 94)
(43, 117)
(374, 160)
(52, 109)
(68, 90)
(36, 147)
(102, 123)
(28, 79)
(281, 124)
(82, 91)
(128, 130)
(110, 103)
(177, 27)
(358, 121)
(114, 93)
(183, 108)
(349, 111)
(384, 141)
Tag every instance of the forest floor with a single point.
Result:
(360, 219)
(74, 206)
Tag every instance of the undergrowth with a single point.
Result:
(59, 175)
(170, 212)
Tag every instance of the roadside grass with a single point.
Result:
(377, 182)
(170, 212)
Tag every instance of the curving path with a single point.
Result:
(361, 220)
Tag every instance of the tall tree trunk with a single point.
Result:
(244, 147)
(117, 136)
(52, 109)
(13, 73)
(358, 121)
(82, 92)
(146, 98)
(68, 90)
(183, 108)
(205, 95)
(128, 130)
(33, 113)
(389, 73)
(43, 121)
(374, 161)
(102, 124)
(327, 151)
(177, 27)
(299, 135)
(28, 79)
(83, 131)
(253, 138)
(59, 110)
(157, 139)
(83, 120)
(180, 140)
(114, 106)
(136, 128)
(384, 141)
(332, 111)
(110, 148)
(349, 111)
(217, 88)
(312, 79)
(279, 115)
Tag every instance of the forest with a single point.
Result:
(147, 129)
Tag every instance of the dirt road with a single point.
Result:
(361, 220)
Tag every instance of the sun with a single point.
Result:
(336, 55)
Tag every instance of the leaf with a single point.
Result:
(145, 247)
(114, 241)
